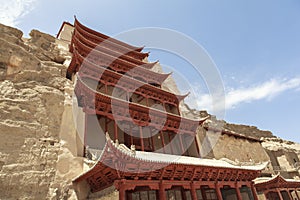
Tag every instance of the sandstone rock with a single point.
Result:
(14, 58)
(43, 46)
(32, 100)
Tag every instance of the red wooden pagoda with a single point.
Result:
(150, 150)
(278, 188)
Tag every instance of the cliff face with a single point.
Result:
(33, 97)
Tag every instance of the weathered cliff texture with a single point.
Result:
(246, 130)
(284, 157)
(33, 97)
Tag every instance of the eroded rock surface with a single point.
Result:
(33, 97)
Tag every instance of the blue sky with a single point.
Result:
(255, 45)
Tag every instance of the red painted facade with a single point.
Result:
(117, 65)
(278, 188)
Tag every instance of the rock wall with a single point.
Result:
(218, 146)
(34, 100)
(284, 157)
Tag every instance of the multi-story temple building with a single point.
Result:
(142, 146)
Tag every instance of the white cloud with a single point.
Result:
(264, 91)
(11, 11)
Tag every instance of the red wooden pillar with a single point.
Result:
(193, 191)
(203, 193)
(254, 193)
(127, 97)
(290, 195)
(106, 128)
(142, 139)
(170, 143)
(122, 193)
(297, 194)
(162, 141)
(178, 109)
(106, 91)
(197, 147)
(162, 194)
(279, 194)
(85, 129)
(115, 130)
(152, 141)
(218, 191)
(238, 193)
(131, 137)
(181, 144)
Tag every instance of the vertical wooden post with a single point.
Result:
(84, 134)
(131, 137)
(254, 193)
(218, 191)
(193, 191)
(142, 139)
(85, 129)
(106, 128)
(170, 143)
(238, 193)
(162, 195)
(290, 195)
(116, 130)
(164, 106)
(152, 141)
(122, 193)
(178, 109)
(279, 194)
(162, 141)
(106, 91)
(297, 194)
(181, 144)
(197, 147)
(203, 193)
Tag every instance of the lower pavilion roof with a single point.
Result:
(118, 162)
(265, 183)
